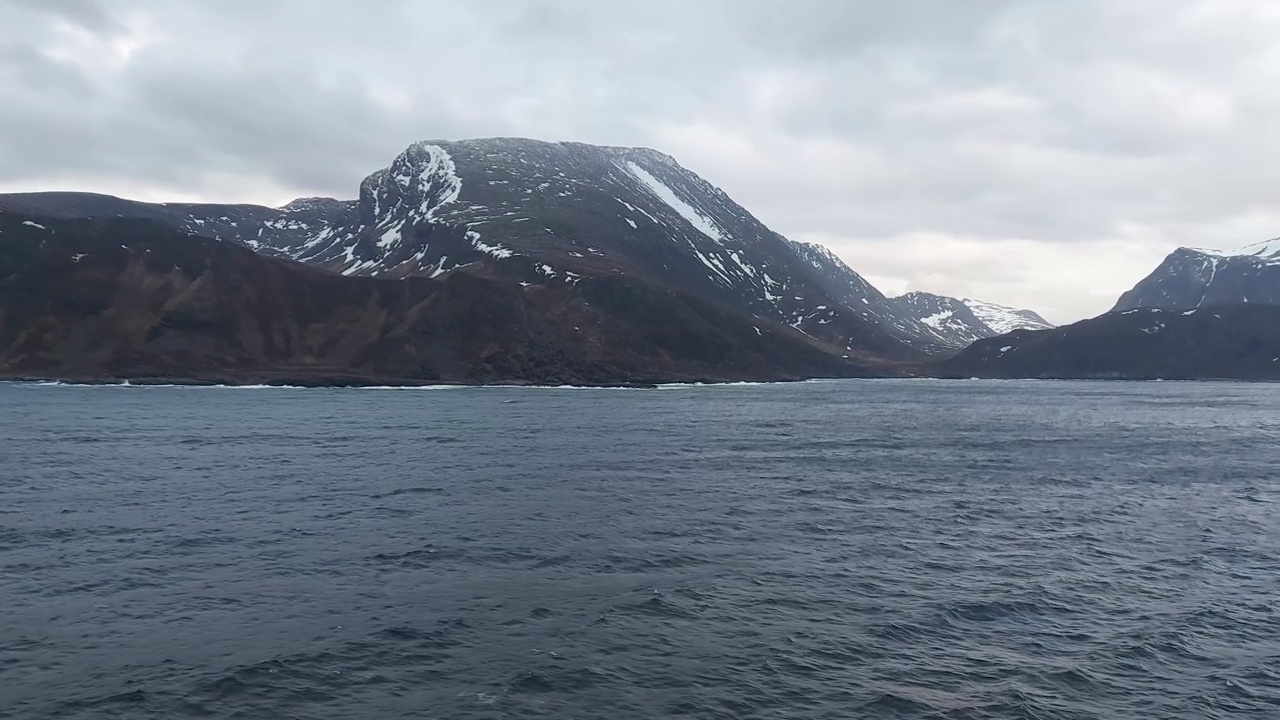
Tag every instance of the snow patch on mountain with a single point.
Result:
(938, 321)
(438, 180)
(1267, 250)
(635, 209)
(390, 238)
(1003, 320)
(495, 249)
(699, 220)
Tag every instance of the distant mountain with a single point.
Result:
(934, 323)
(1002, 319)
(1192, 278)
(854, 292)
(948, 319)
(1201, 314)
(1227, 342)
(113, 298)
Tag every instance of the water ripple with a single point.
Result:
(931, 551)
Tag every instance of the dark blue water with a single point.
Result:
(876, 549)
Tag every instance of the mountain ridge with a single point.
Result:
(1190, 278)
(1229, 342)
(113, 298)
(539, 214)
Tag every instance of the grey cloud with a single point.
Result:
(25, 69)
(1049, 124)
(87, 14)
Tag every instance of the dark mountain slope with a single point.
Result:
(1190, 278)
(122, 298)
(848, 288)
(1229, 342)
(252, 225)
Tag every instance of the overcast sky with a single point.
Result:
(1039, 153)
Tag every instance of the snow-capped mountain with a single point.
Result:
(935, 323)
(564, 210)
(553, 214)
(1003, 319)
(1191, 278)
(538, 214)
(853, 291)
(550, 213)
(946, 317)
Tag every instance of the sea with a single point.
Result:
(910, 549)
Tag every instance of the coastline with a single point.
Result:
(369, 383)
(366, 382)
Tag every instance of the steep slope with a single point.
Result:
(548, 214)
(125, 298)
(935, 324)
(1003, 319)
(1191, 278)
(852, 290)
(1239, 342)
(553, 213)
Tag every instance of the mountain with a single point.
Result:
(211, 220)
(1191, 278)
(112, 298)
(549, 214)
(1002, 319)
(1239, 342)
(949, 319)
(933, 323)
(541, 214)
(853, 291)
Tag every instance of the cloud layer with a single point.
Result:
(1039, 153)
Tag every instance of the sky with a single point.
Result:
(1038, 153)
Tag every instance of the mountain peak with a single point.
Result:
(312, 204)
(1267, 250)
(511, 144)
(925, 295)
(1197, 277)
